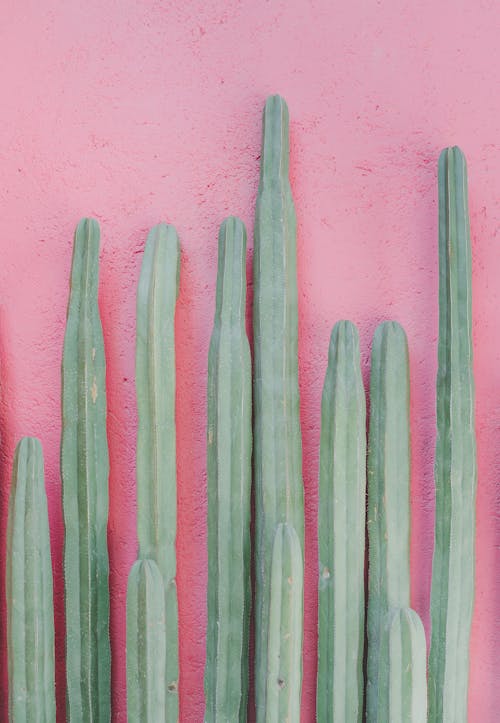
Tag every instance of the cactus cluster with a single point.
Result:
(393, 687)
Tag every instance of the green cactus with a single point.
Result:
(30, 614)
(452, 595)
(146, 644)
(84, 469)
(156, 458)
(341, 532)
(229, 442)
(277, 440)
(402, 669)
(388, 492)
(284, 652)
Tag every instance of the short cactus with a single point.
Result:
(229, 442)
(30, 614)
(156, 454)
(279, 494)
(341, 532)
(284, 653)
(388, 492)
(402, 669)
(146, 644)
(84, 469)
(452, 595)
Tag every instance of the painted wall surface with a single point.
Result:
(139, 111)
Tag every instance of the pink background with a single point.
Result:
(137, 111)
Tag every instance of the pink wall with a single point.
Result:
(137, 111)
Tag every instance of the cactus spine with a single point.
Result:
(229, 441)
(388, 492)
(284, 653)
(84, 468)
(402, 671)
(452, 595)
(156, 458)
(30, 615)
(277, 438)
(341, 532)
(146, 644)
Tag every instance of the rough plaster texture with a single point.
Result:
(135, 111)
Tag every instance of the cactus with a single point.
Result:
(402, 669)
(30, 615)
(284, 653)
(277, 439)
(146, 644)
(388, 492)
(84, 469)
(156, 458)
(341, 532)
(229, 441)
(452, 594)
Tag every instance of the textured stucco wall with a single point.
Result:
(137, 111)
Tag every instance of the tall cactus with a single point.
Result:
(452, 595)
(388, 492)
(146, 644)
(341, 532)
(156, 459)
(84, 469)
(284, 652)
(277, 438)
(30, 614)
(402, 669)
(229, 480)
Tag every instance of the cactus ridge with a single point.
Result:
(156, 440)
(277, 437)
(284, 654)
(341, 532)
(146, 644)
(84, 469)
(229, 441)
(402, 669)
(30, 614)
(452, 591)
(388, 492)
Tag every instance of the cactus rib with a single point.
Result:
(277, 438)
(30, 615)
(452, 592)
(229, 441)
(388, 492)
(146, 644)
(341, 532)
(284, 653)
(402, 669)
(156, 454)
(84, 469)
